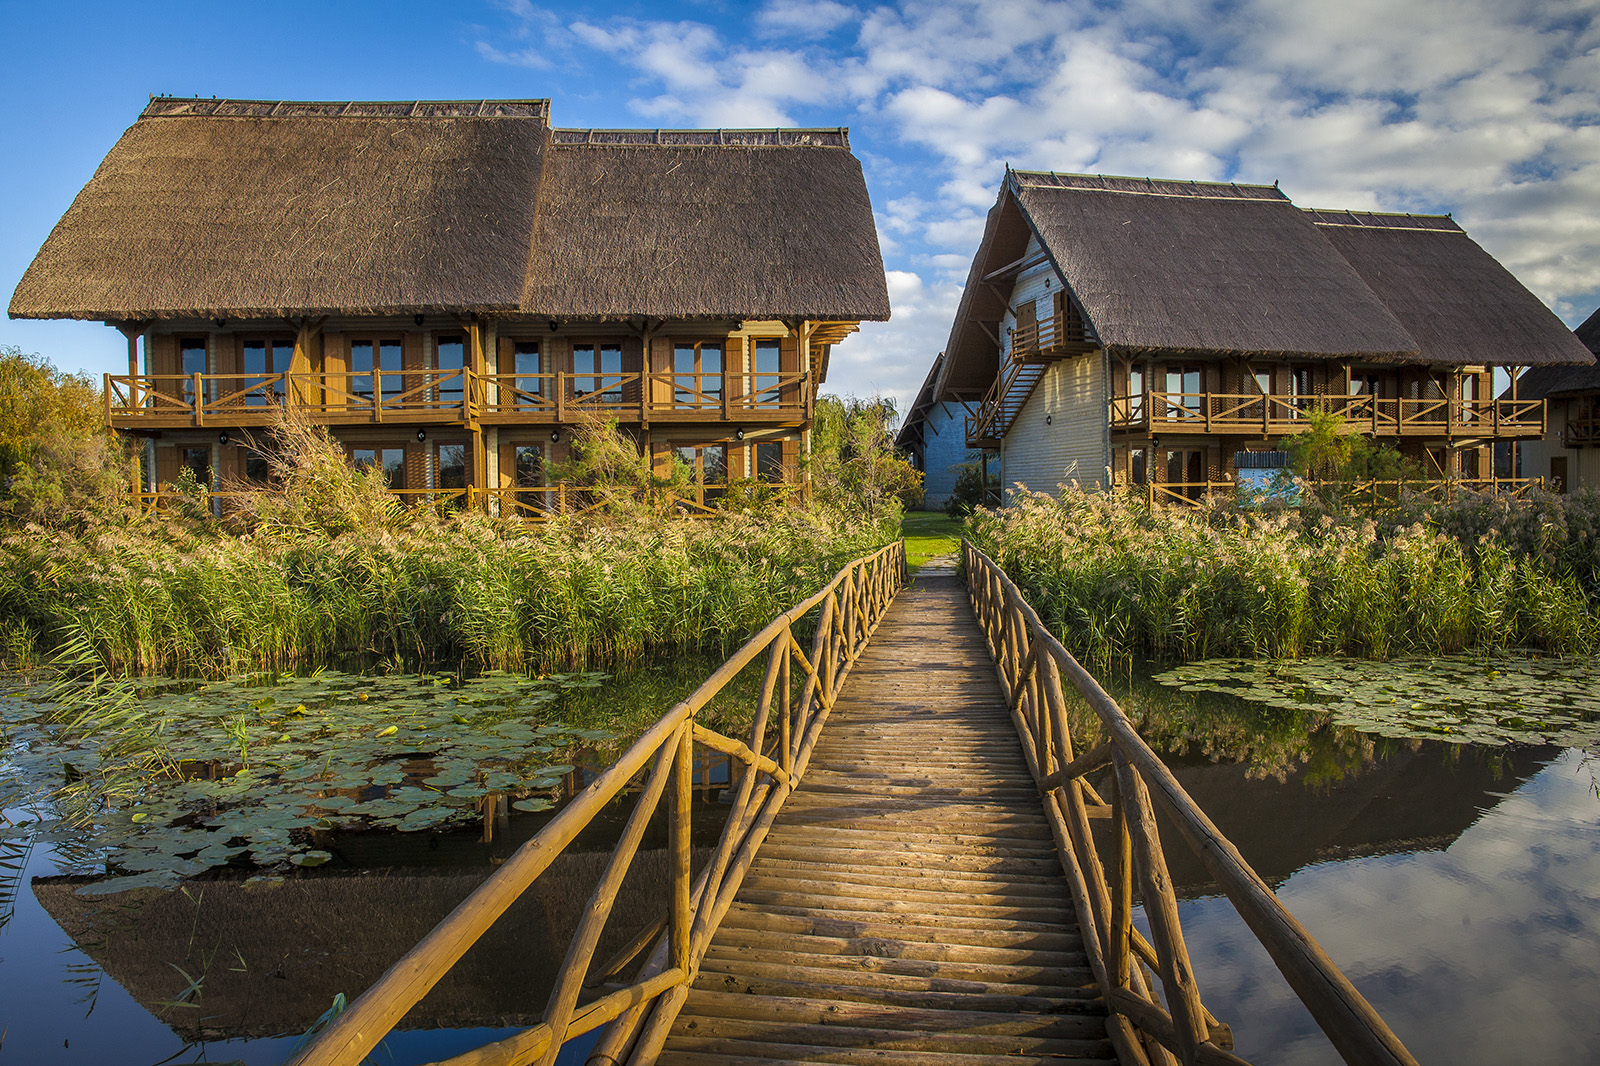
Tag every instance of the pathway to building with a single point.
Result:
(908, 906)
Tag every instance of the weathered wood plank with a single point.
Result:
(908, 905)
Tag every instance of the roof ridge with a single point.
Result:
(782, 137)
(1389, 220)
(1133, 185)
(194, 106)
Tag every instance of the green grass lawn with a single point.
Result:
(929, 533)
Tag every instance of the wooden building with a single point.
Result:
(934, 439)
(1568, 455)
(451, 286)
(1137, 331)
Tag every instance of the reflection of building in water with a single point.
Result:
(272, 956)
(1410, 799)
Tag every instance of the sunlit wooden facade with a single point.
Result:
(453, 326)
(1122, 331)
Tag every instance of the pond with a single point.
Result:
(1457, 883)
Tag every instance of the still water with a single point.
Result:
(1458, 886)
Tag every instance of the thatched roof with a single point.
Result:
(911, 428)
(704, 224)
(1454, 298)
(1203, 268)
(248, 209)
(1558, 382)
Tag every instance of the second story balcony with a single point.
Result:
(156, 401)
(1276, 415)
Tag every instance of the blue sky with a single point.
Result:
(1489, 109)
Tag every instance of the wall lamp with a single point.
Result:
(1048, 419)
(422, 434)
(554, 325)
(738, 434)
(223, 438)
(221, 322)
(417, 319)
(555, 435)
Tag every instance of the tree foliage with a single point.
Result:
(854, 468)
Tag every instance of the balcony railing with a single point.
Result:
(176, 400)
(532, 503)
(1213, 412)
(1058, 335)
(1581, 432)
(1369, 493)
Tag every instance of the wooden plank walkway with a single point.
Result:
(908, 905)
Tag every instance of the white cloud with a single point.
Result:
(805, 19)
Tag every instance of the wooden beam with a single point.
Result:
(1027, 262)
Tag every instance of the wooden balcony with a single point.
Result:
(1053, 337)
(1278, 415)
(1581, 433)
(175, 401)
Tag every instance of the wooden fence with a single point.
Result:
(641, 1009)
(1031, 662)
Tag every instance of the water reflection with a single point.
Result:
(1458, 886)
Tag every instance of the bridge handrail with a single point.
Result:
(1030, 662)
(853, 603)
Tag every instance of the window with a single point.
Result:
(1138, 470)
(390, 460)
(525, 356)
(769, 461)
(1263, 381)
(192, 360)
(1183, 392)
(1470, 468)
(709, 463)
(527, 472)
(198, 460)
(264, 358)
(697, 375)
(1186, 468)
(382, 356)
(451, 466)
(450, 360)
(1558, 473)
(1365, 385)
(257, 467)
(1136, 393)
(766, 368)
(1302, 384)
(597, 372)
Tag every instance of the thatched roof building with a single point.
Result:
(1561, 382)
(257, 209)
(1213, 270)
(1453, 298)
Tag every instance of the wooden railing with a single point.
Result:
(1581, 432)
(1217, 412)
(1054, 336)
(785, 729)
(1000, 403)
(1031, 662)
(452, 395)
(1372, 493)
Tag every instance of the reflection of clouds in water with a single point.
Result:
(1486, 952)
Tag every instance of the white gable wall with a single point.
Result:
(1073, 446)
(1583, 464)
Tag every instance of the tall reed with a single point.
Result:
(1117, 579)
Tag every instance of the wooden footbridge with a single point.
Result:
(916, 884)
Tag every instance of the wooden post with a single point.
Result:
(679, 928)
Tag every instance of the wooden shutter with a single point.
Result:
(166, 465)
(661, 363)
(791, 459)
(789, 363)
(1026, 332)
(416, 468)
(162, 358)
(413, 358)
(734, 382)
(632, 363)
(334, 366)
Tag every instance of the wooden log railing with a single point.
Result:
(1279, 413)
(1031, 663)
(1377, 494)
(798, 691)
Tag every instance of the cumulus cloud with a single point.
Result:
(1489, 109)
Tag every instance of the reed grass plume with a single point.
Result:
(1117, 579)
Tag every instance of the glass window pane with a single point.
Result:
(394, 467)
(766, 362)
(192, 358)
(361, 368)
(451, 358)
(526, 357)
(611, 367)
(452, 466)
(256, 467)
(714, 464)
(256, 359)
(769, 460)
